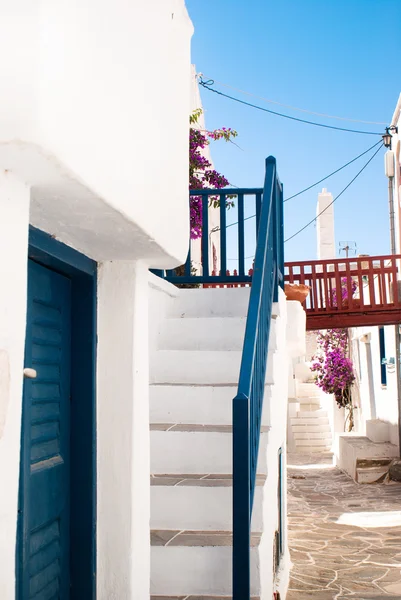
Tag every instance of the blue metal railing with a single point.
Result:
(227, 271)
(247, 405)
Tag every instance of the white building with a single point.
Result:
(87, 159)
(90, 199)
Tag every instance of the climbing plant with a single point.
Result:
(331, 364)
(201, 173)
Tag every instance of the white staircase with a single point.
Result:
(311, 427)
(193, 381)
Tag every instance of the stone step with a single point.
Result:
(309, 407)
(193, 448)
(198, 501)
(210, 303)
(307, 390)
(191, 404)
(310, 421)
(309, 400)
(310, 428)
(313, 449)
(197, 597)
(204, 367)
(197, 404)
(220, 333)
(202, 334)
(321, 435)
(371, 474)
(307, 442)
(197, 563)
(312, 413)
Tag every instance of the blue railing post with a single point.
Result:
(241, 500)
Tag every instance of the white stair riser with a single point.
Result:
(196, 452)
(307, 390)
(310, 421)
(308, 400)
(371, 475)
(304, 414)
(316, 442)
(203, 367)
(313, 436)
(202, 570)
(198, 508)
(202, 334)
(204, 405)
(308, 408)
(313, 449)
(211, 303)
(311, 429)
(207, 334)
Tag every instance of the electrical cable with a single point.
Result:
(289, 106)
(317, 182)
(334, 172)
(328, 206)
(207, 84)
(336, 198)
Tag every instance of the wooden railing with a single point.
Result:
(365, 285)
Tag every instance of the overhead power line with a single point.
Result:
(334, 172)
(289, 106)
(317, 182)
(336, 198)
(207, 84)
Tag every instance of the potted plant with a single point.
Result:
(296, 291)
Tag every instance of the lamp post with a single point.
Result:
(390, 172)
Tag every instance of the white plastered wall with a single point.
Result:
(123, 501)
(377, 404)
(14, 219)
(94, 116)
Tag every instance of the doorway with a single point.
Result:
(57, 498)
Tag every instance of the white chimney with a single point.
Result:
(326, 244)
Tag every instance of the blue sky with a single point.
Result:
(339, 57)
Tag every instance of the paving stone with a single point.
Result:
(337, 549)
(395, 471)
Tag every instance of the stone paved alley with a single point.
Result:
(345, 538)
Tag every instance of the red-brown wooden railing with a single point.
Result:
(349, 292)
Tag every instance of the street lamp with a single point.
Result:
(387, 136)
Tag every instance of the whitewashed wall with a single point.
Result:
(14, 218)
(377, 413)
(94, 115)
(396, 148)
(92, 95)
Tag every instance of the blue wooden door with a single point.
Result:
(44, 528)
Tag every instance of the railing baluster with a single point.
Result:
(188, 263)
(314, 300)
(349, 284)
(241, 235)
(258, 207)
(371, 278)
(205, 235)
(382, 283)
(241, 499)
(223, 234)
(360, 282)
(395, 281)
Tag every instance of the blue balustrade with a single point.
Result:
(248, 403)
